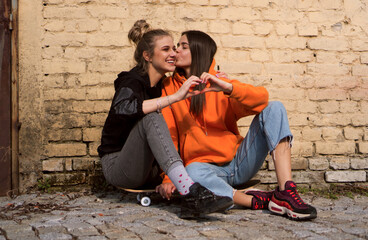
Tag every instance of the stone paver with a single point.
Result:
(117, 215)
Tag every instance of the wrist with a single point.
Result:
(229, 89)
(173, 98)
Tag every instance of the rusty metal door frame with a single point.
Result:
(9, 177)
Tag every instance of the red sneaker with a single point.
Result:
(260, 198)
(289, 202)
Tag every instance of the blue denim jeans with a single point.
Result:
(266, 130)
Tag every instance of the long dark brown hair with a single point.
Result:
(202, 48)
(144, 38)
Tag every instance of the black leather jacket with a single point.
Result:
(131, 89)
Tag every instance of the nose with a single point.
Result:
(173, 53)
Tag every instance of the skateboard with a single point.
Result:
(144, 195)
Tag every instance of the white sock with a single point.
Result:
(180, 178)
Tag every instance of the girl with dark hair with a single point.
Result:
(204, 130)
(135, 141)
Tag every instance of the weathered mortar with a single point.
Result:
(311, 55)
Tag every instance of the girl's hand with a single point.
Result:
(216, 84)
(185, 90)
(166, 190)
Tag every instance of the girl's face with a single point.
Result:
(163, 58)
(183, 56)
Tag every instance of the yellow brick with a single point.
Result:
(335, 148)
(259, 56)
(197, 12)
(108, 11)
(118, 39)
(110, 25)
(302, 56)
(351, 133)
(64, 39)
(219, 2)
(241, 67)
(52, 52)
(263, 29)
(360, 120)
(197, 2)
(242, 41)
(298, 119)
(327, 94)
(304, 149)
(348, 107)
(307, 30)
(331, 4)
(238, 55)
(311, 134)
(332, 133)
(54, 12)
(92, 134)
(360, 45)
(74, 134)
(98, 119)
(282, 56)
(329, 106)
(53, 165)
(359, 94)
(92, 148)
(329, 44)
(65, 120)
(79, 53)
(364, 58)
(307, 106)
(326, 17)
(65, 94)
(63, 66)
(87, 25)
(53, 81)
(90, 106)
(101, 93)
(285, 43)
(54, 26)
(283, 29)
(219, 26)
(66, 149)
(360, 70)
(236, 13)
(242, 29)
(363, 108)
(284, 68)
(318, 163)
(328, 69)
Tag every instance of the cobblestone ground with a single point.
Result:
(117, 215)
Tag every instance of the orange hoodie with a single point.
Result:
(214, 138)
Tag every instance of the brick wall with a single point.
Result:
(311, 55)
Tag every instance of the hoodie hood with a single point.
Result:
(132, 74)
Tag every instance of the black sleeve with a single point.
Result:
(127, 102)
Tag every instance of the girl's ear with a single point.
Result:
(146, 56)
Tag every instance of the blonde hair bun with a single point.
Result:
(139, 28)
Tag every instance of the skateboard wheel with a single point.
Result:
(145, 201)
(139, 198)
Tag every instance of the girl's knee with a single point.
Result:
(276, 106)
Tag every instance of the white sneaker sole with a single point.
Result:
(273, 207)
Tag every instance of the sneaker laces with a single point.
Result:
(296, 196)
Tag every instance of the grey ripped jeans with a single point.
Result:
(149, 143)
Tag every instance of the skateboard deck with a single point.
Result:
(144, 195)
